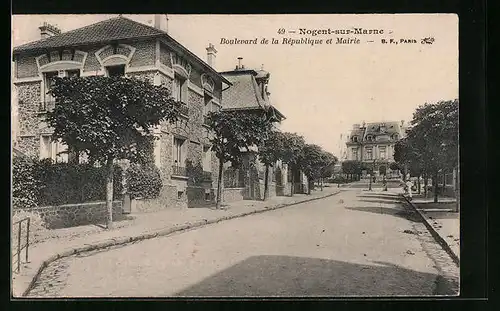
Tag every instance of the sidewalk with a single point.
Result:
(65, 242)
(443, 220)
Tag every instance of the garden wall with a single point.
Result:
(72, 215)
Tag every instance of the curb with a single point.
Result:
(159, 233)
(435, 234)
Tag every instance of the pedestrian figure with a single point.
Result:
(384, 182)
(409, 185)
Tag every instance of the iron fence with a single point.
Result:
(207, 175)
(184, 109)
(178, 170)
(16, 260)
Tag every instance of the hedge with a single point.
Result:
(43, 183)
(143, 181)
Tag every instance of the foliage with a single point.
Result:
(194, 173)
(394, 166)
(293, 145)
(311, 161)
(108, 116)
(43, 183)
(64, 183)
(338, 180)
(236, 132)
(143, 181)
(329, 161)
(25, 187)
(272, 149)
(432, 141)
(352, 167)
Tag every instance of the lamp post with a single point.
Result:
(370, 184)
(370, 176)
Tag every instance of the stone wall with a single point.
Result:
(196, 197)
(26, 66)
(233, 194)
(72, 215)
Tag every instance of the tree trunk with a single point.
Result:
(435, 181)
(321, 183)
(219, 185)
(310, 183)
(109, 191)
(293, 181)
(426, 182)
(418, 184)
(266, 184)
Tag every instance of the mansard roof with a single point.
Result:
(245, 94)
(377, 128)
(114, 29)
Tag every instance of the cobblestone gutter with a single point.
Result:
(163, 232)
(442, 242)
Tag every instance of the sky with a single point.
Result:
(322, 89)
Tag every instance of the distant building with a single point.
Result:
(373, 144)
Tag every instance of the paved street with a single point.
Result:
(354, 243)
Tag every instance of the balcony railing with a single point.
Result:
(178, 170)
(207, 175)
(184, 109)
(46, 106)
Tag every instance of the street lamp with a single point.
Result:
(369, 176)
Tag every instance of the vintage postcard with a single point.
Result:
(235, 155)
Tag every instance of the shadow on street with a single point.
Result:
(399, 211)
(387, 201)
(301, 276)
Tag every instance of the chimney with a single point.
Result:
(240, 66)
(211, 55)
(402, 123)
(47, 30)
(158, 22)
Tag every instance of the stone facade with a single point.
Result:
(72, 215)
(149, 60)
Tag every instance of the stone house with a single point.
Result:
(249, 93)
(373, 144)
(120, 46)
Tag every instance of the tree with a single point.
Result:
(235, 132)
(310, 162)
(328, 166)
(292, 149)
(271, 151)
(434, 136)
(108, 118)
(352, 168)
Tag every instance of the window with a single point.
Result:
(382, 152)
(208, 104)
(207, 159)
(354, 154)
(178, 154)
(54, 150)
(178, 89)
(72, 73)
(49, 82)
(369, 153)
(116, 71)
(355, 139)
